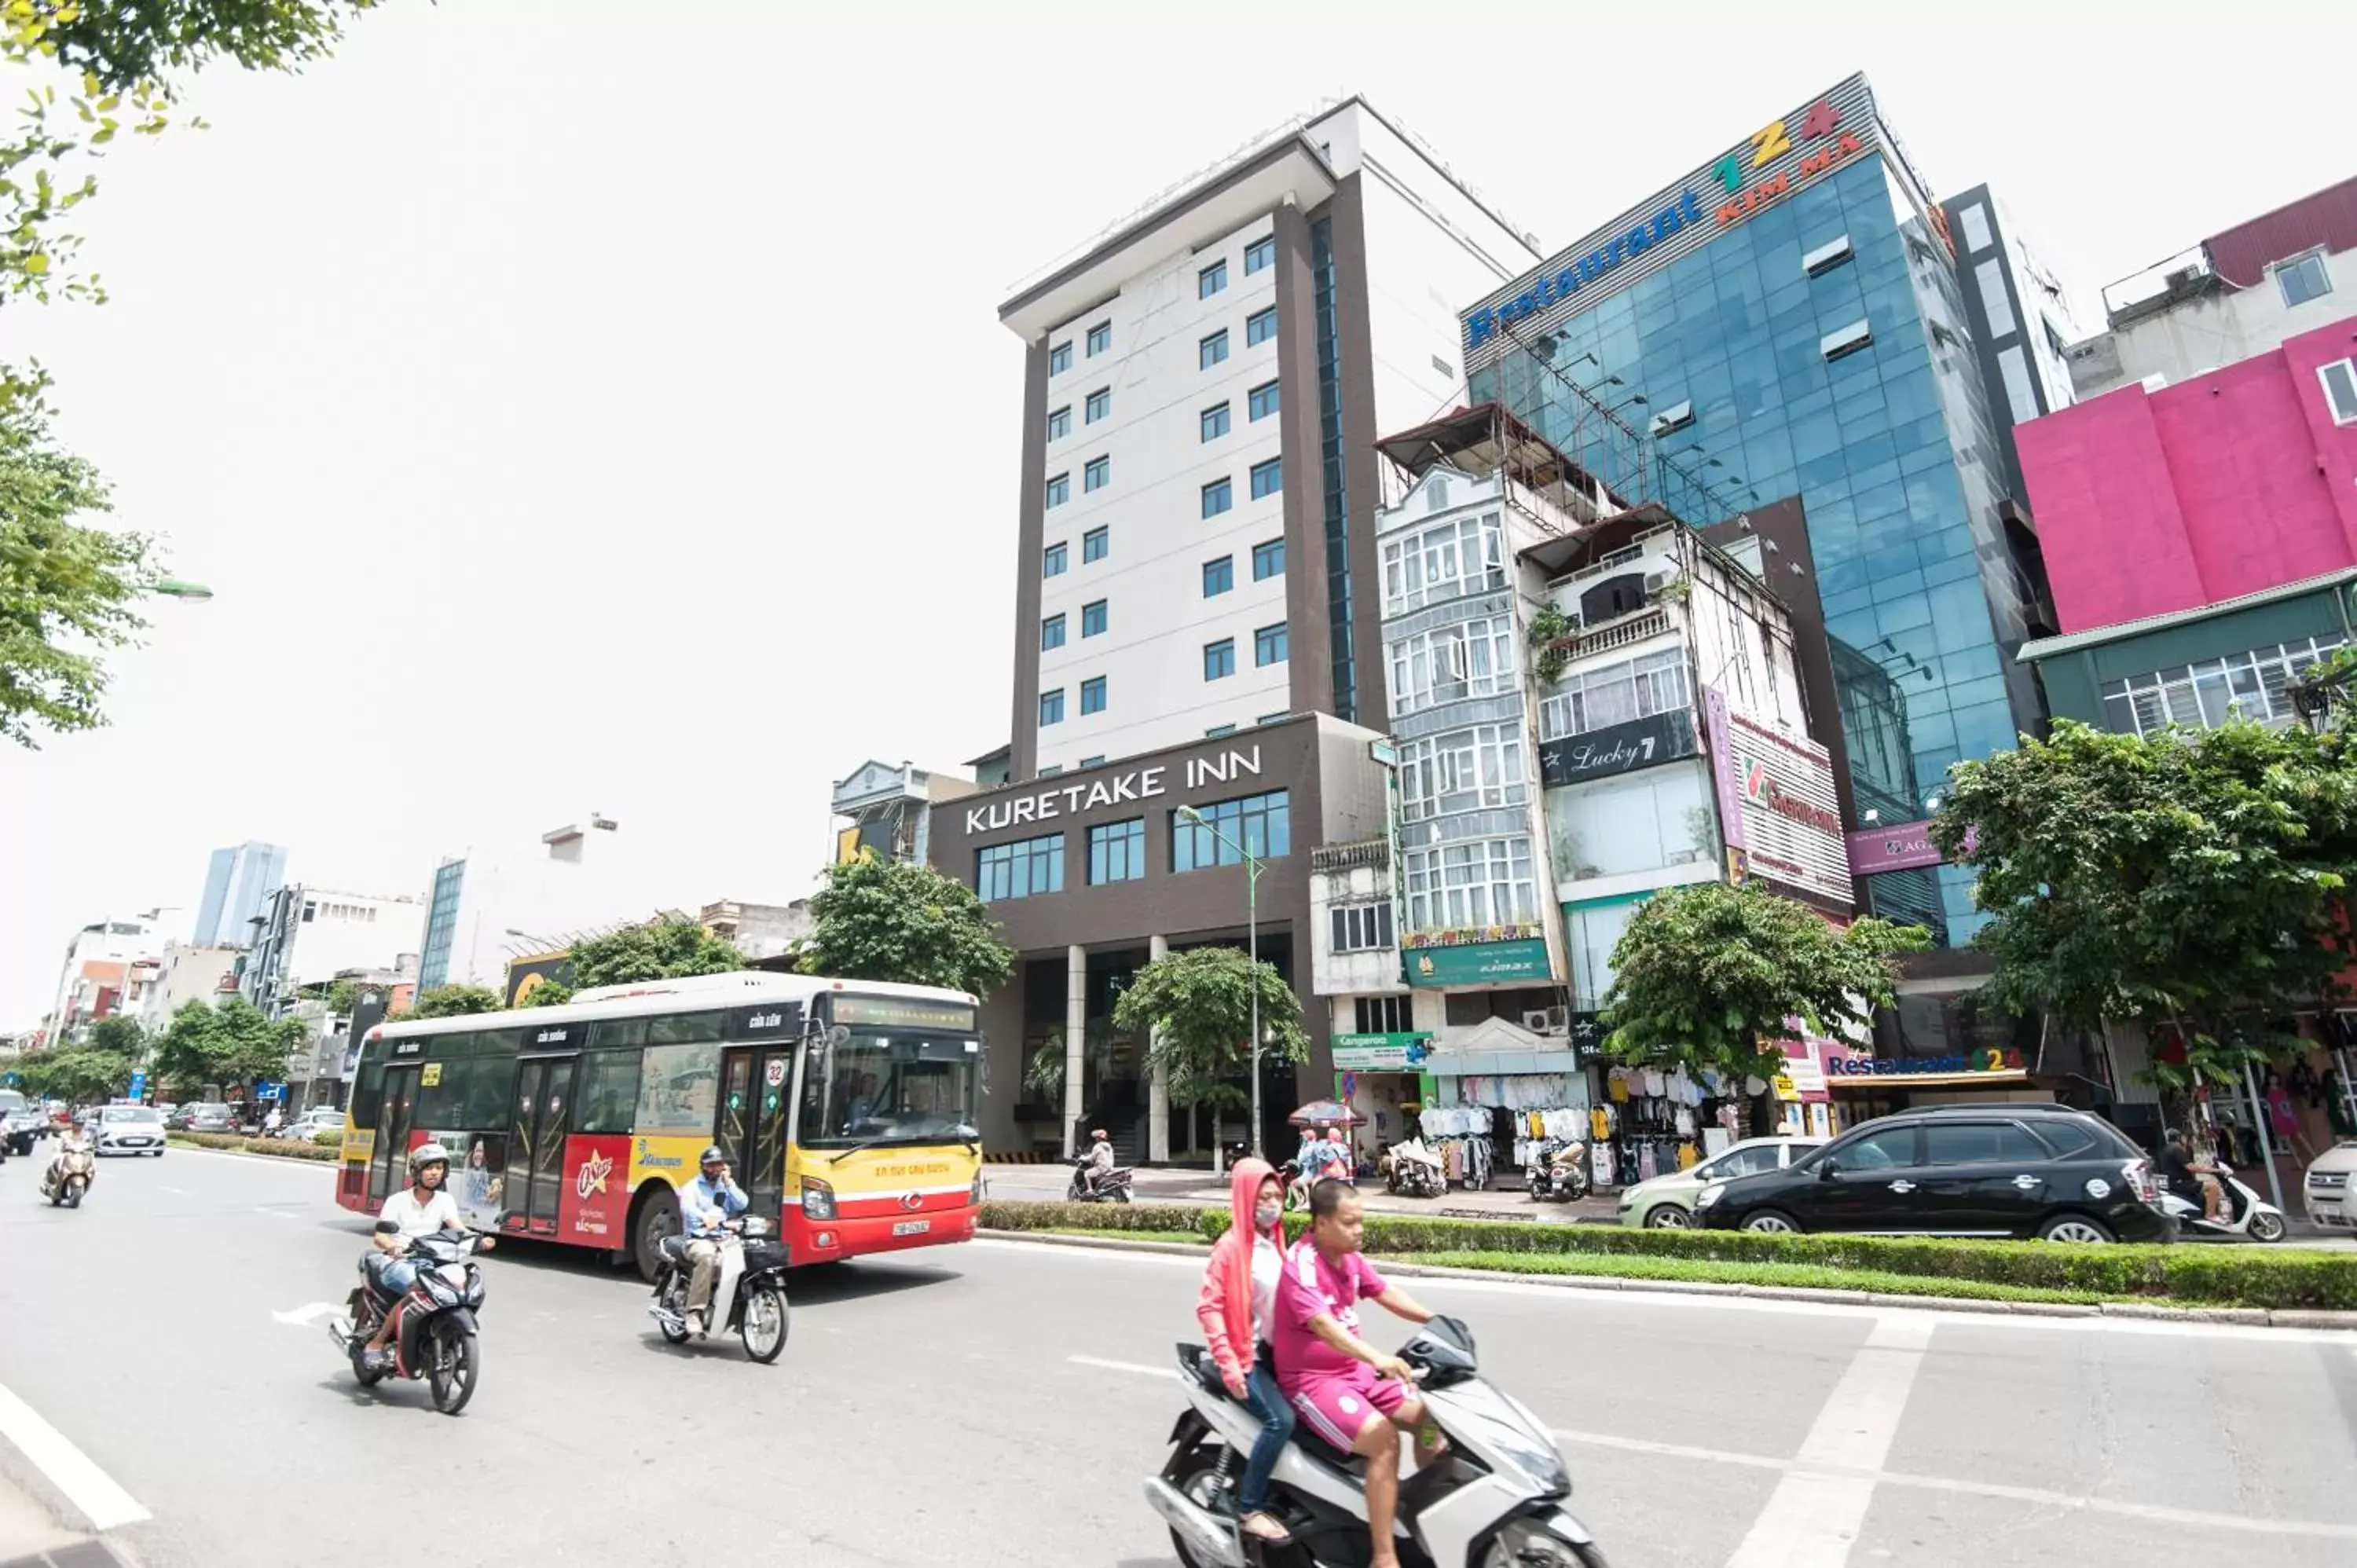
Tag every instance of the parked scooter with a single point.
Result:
(1494, 1500)
(1110, 1187)
(1559, 1170)
(2248, 1215)
(749, 1290)
(71, 1172)
(436, 1338)
(1413, 1170)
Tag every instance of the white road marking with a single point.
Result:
(276, 1213)
(91, 1489)
(1812, 1518)
(1687, 1452)
(174, 1191)
(305, 1315)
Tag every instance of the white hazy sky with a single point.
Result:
(576, 414)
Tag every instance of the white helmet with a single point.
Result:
(426, 1155)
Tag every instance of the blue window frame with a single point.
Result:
(1059, 423)
(1051, 561)
(1216, 731)
(1051, 707)
(1096, 544)
(1259, 255)
(1092, 695)
(1117, 851)
(1268, 478)
(1100, 339)
(1212, 350)
(1060, 357)
(1051, 633)
(1097, 474)
(1100, 405)
(1219, 576)
(1220, 658)
(1268, 645)
(1092, 761)
(1020, 870)
(1260, 326)
(1211, 280)
(1214, 421)
(1093, 619)
(1059, 489)
(1268, 560)
(1264, 399)
(1217, 497)
(1260, 823)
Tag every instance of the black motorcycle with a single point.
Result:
(1110, 1187)
(756, 1305)
(436, 1335)
(1559, 1170)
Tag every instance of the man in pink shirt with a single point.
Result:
(1350, 1394)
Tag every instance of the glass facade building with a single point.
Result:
(1813, 345)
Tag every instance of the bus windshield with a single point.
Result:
(890, 1087)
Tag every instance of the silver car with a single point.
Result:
(130, 1130)
(1667, 1202)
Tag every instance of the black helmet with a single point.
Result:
(711, 1156)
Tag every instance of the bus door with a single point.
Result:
(754, 1083)
(542, 1114)
(396, 1116)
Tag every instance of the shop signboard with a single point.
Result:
(1479, 963)
(1618, 748)
(1988, 1059)
(1381, 1053)
(1904, 848)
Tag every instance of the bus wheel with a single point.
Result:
(658, 1220)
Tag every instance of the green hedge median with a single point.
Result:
(2193, 1275)
(278, 1148)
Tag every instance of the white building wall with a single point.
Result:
(546, 898)
(1348, 975)
(188, 974)
(337, 931)
(2214, 330)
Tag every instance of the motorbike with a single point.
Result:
(2247, 1214)
(436, 1333)
(1559, 1171)
(1494, 1499)
(750, 1278)
(1110, 1187)
(1415, 1171)
(70, 1174)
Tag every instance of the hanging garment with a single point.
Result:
(1687, 1158)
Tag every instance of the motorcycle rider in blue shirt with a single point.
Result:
(706, 1204)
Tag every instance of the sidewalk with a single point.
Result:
(1200, 1188)
(30, 1538)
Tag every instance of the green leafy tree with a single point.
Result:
(233, 1044)
(1713, 976)
(657, 949)
(82, 1073)
(1197, 1006)
(343, 999)
(455, 1001)
(119, 1036)
(2192, 879)
(879, 920)
(547, 994)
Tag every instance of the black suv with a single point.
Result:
(2000, 1170)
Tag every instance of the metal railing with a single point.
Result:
(1365, 854)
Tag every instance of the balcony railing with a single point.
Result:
(1374, 855)
(1622, 633)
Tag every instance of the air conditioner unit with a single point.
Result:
(1657, 581)
(1535, 1021)
(1546, 1021)
(1559, 1020)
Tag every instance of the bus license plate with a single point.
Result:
(913, 1227)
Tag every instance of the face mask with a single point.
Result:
(1268, 1214)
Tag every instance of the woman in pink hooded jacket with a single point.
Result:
(1238, 1289)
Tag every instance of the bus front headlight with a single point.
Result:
(818, 1199)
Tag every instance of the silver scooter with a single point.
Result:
(2247, 1214)
(1494, 1499)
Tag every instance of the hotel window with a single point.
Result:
(1268, 478)
(1210, 280)
(1271, 719)
(1260, 326)
(1219, 576)
(1060, 357)
(1264, 399)
(1220, 658)
(1059, 423)
(1051, 707)
(1217, 497)
(1259, 255)
(1100, 405)
(1466, 556)
(1092, 695)
(1095, 545)
(1214, 422)
(1362, 928)
(1093, 762)
(1051, 561)
(1448, 665)
(1059, 489)
(1096, 474)
(1477, 768)
(2340, 380)
(1020, 870)
(1269, 646)
(1217, 731)
(1093, 619)
(1212, 350)
(1117, 851)
(2253, 684)
(1260, 824)
(1616, 694)
(1051, 633)
(1100, 339)
(1463, 886)
(2303, 278)
(1268, 560)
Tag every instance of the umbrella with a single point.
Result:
(1325, 1113)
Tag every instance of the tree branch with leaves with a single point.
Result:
(1197, 1008)
(896, 920)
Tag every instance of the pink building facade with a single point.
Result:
(2237, 479)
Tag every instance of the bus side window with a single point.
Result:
(367, 1086)
(608, 1096)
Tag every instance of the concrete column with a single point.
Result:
(1076, 1031)
(1158, 1091)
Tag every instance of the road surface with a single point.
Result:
(166, 1385)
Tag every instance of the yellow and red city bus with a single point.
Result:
(847, 1109)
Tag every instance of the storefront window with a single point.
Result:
(1639, 688)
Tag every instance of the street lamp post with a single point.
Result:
(1251, 948)
(181, 589)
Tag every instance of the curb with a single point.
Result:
(249, 1154)
(2249, 1316)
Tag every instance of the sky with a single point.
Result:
(571, 415)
